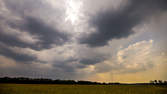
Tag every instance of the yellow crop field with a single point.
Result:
(81, 89)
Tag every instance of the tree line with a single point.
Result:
(24, 80)
(158, 82)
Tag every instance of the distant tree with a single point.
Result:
(155, 82)
(165, 82)
(160, 82)
(151, 82)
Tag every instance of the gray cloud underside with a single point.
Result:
(46, 35)
(119, 24)
(5, 51)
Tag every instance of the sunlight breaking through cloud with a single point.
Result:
(73, 11)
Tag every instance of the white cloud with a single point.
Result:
(136, 56)
(57, 53)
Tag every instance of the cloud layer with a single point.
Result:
(42, 38)
(119, 24)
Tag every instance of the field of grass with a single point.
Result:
(81, 89)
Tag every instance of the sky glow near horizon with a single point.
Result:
(106, 41)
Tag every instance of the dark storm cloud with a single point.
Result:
(65, 69)
(29, 25)
(67, 65)
(34, 25)
(47, 35)
(118, 24)
(5, 51)
(12, 40)
(91, 61)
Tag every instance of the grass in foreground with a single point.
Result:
(81, 89)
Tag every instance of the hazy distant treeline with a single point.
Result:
(43, 81)
(23, 80)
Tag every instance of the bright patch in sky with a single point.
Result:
(73, 8)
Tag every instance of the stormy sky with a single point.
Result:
(97, 40)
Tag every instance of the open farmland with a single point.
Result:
(81, 89)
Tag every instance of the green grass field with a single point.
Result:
(81, 89)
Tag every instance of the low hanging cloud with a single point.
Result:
(24, 26)
(135, 58)
(36, 36)
(47, 34)
(19, 57)
(118, 24)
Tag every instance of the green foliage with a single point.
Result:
(81, 89)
